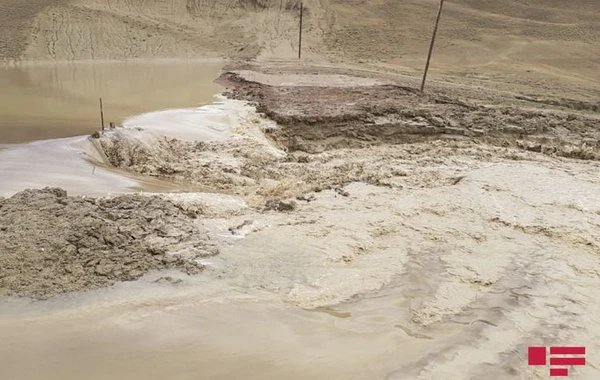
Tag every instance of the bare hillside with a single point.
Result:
(16, 22)
(543, 44)
(550, 45)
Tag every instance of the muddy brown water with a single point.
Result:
(46, 101)
(216, 338)
(47, 111)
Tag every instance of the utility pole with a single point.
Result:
(300, 36)
(101, 115)
(437, 22)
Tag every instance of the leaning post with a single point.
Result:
(437, 22)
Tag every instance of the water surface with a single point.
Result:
(47, 112)
(46, 101)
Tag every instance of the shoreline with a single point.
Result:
(86, 147)
(37, 62)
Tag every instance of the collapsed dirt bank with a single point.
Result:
(465, 249)
(315, 118)
(333, 134)
(52, 243)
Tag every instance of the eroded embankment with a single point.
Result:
(465, 252)
(317, 118)
(379, 135)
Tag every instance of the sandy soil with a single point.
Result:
(16, 28)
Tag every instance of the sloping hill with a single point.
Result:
(542, 43)
(116, 29)
(547, 44)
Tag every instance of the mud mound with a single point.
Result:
(318, 118)
(51, 243)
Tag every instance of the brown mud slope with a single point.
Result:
(314, 118)
(52, 243)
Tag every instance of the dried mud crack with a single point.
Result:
(52, 243)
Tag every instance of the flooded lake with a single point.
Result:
(45, 101)
(47, 112)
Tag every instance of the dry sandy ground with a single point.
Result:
(542, 46)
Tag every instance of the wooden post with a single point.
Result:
(437, 22)
(300, 36)
(101, 114)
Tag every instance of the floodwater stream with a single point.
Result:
(145, 330)
(142, 331)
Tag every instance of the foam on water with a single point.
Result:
(211, 122)
(58, 162)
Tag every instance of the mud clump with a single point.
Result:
(281, 206)
(51, 243)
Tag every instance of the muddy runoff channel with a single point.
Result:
(320, 250)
